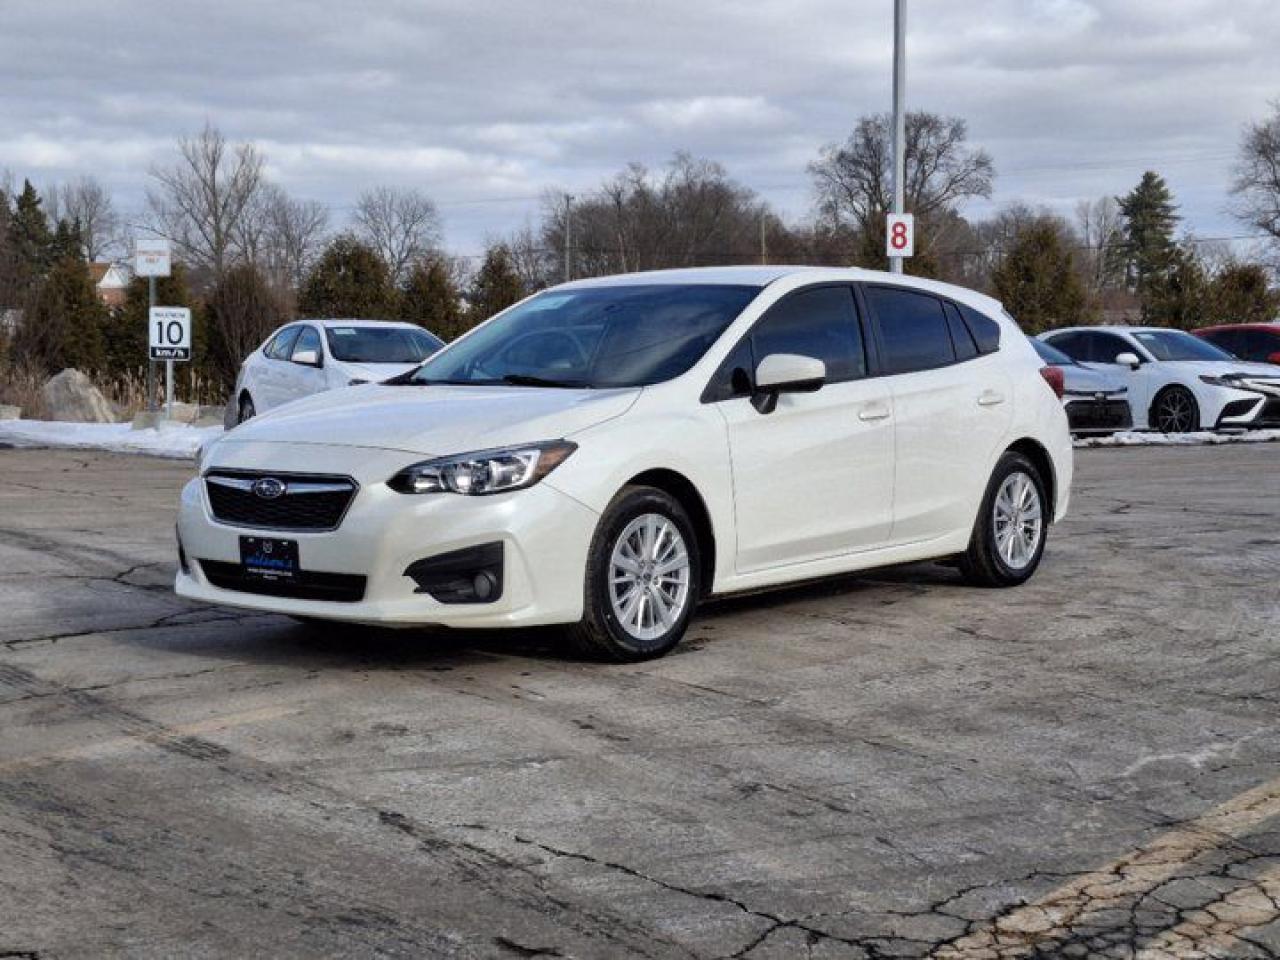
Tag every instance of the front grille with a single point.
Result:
(309, 502)
(1099, 415)
(306, 585)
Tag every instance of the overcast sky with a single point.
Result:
(486, 104)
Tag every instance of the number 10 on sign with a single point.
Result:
(900, 235)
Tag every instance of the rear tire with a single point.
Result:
(245, 410)
(1013, 523)
(643, 578)
(1175, 410)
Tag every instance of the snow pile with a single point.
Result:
(180, 442)
(1134, 438)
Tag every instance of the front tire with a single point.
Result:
(1009, 536)
(643, 578)
(1175, 411)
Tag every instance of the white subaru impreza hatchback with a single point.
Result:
(608, 452)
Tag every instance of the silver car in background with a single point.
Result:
(1096, 402)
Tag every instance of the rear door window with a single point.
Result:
(1074, 344)
(913, 329)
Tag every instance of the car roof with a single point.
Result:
(1270, 327)
(762, 276)
(1113, 328)
(328, 322)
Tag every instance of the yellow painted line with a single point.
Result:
(1017, 933)
(1212, 930)
(102, 748)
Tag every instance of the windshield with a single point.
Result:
(615, 336)
(1177, 345)
(381, 344)
(1051, 355)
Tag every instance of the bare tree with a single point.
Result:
(854, 179)
(1102, 239)
(1257, 180)
(85, 203)
(402, 224)
(201, 202)
(297, 230)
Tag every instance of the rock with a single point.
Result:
(70, 395)
(182, 412)
(208, 416)
(10, 413)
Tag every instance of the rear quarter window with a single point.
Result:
(986, 332)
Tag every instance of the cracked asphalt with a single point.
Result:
(891, 765)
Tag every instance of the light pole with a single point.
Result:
(899, 115)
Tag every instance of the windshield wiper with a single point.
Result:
(526, 380)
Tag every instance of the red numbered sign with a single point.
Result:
(900, 235)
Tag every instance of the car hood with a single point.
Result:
(1216, 368)
(434, 420)
(1080, 379)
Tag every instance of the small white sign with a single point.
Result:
(900, 235)
(170, 333)
(151, 257)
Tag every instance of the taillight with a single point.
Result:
(1056, 380)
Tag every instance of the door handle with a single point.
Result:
(878, 412)
(989, 398)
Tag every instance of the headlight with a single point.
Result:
(1227, 380)
(485, 471)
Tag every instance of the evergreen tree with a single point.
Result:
(1150, 218)
(1037, 279)
(242, 309)
(496, 286)
(29, 233)
(430, 299)
(1242, 293)
(349, 280)
(1181, 296)
(64, 326)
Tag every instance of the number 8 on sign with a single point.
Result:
(900, 235)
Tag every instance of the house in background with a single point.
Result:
(111, 280)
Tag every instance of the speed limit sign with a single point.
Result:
(170, 333)
(900, 235)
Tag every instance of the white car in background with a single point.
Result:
(311, 356)
(610, 451)
(1177, 383)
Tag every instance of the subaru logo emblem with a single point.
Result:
(269, 488)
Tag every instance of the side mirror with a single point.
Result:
(786, 373)
(1273, 357)
(308, 358)
(1129, 360)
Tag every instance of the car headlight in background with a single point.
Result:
(1224, 380)
(484, 471)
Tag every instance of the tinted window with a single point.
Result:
(986, 332)
(913, 329)
(1233, 341)
(380, 344)
(282, 345)
(620, 335)
(817, 323)
(961, 338)
(1075, 344)
(308, 339)
(1178, 345)
(1051, 354)
(1259, 345)
(1105, 347)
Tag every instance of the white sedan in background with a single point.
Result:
(1177, 383)
(311, 356)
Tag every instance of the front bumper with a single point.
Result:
(544, 535)
(1253, 404)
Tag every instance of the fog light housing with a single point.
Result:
(470, 575)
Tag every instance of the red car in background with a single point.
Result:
(1259, 342)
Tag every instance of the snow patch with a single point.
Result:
(1136, 438)
(178, 441)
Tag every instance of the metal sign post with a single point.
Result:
(899, 128)
(151, 259)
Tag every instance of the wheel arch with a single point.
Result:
(682, 488)
(1197, 401)
(1039, 456)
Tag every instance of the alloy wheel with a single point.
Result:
(649, 576)
(1018, 520)
(1175, 412)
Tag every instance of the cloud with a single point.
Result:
(482, 99)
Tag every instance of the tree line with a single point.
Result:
(250, 256)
